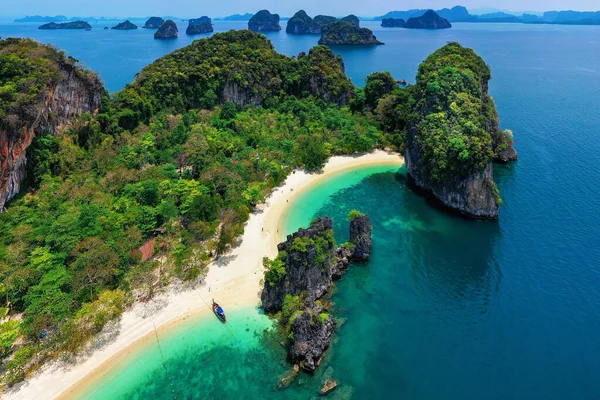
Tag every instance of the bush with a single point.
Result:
(352, 215)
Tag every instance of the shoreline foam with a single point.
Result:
(234, 279)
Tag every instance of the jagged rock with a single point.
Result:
(504, 150)
(393, 23)
(360, 237)
(124, 26)
(311, 335)
(264, 21)
(429, 20)
(66, 25)
(153, 23)
(287, 380)
(507, 155)
(71, 94)
(199, 25)
(353, 19)
(308, 257)
(328, 387)
(168, 30)
(345, 33)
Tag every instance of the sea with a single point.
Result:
(447, 308)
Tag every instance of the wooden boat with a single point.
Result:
(219, 312)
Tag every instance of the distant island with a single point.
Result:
(429, 20)
(40, 19)
(125, 26)
(264, 21)
(301, 23)
(345, 33)
(393, 23)
(168, 30)
(66, 25)
(153, 23)
(237, 17)
(199, 25)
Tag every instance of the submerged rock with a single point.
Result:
(311, 335)
(361, 231)
(328, 387)
(264, 21)
(290, 377)
(168, 30)
(199, 25)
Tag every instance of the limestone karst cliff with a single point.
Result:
(65, 91)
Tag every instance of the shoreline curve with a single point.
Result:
(234, 278)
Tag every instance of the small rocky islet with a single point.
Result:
(168, 30)
(429, 20)
(153, 23)
(125, 26)
(301, 275)
(199, 25)
(264, 21)
(66, 25)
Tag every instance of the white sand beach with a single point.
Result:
(234, 280)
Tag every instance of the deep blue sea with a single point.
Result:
(447, 308)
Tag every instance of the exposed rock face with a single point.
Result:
(504, 150)
(312, 334)
(125, 26)
(264, 21)
(353, 19)
(320, 83)
(301, 24)
(153, 23)
(393, 23)
(199, 25)
(360, 236)
(72, 96)
(507, 155)
(309, 257)
(429, 20)
(473, 195)
(328, 387)
(344, 33)
(67, 25)
(168, 30)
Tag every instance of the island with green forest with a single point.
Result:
(66, 25)
(125, 26)
(93, 184)
(346, 33)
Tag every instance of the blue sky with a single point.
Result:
(186, 8)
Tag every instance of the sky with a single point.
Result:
(187, 8)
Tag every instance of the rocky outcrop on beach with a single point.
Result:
(125, 26)
(429, 20)
(153, 23)
(393, 23)
(66, 25)
(199, 25)
(311, 333)
(306, 257)
(360, 237)
(264, 21)
(168, 30)
(345, 33)
(69, 95)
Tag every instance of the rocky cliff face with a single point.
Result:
(360, 236)
(311, 335)
(264, 21)
(308, 257)
(72, 95)
(168, 30)
(473, 195)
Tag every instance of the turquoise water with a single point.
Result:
(466, 310)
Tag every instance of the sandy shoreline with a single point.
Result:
(234, 280)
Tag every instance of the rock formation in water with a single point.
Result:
(393, 23)
(311, 334)
(68, 93)
(66, 25)
(125, 26)
(344, 33)
(301, 23)
(264, 21)
(324, 19)
(504, 150)
(153, 23)
(360, 238)
(429, 20)
(455, 136)
(168, 30)
(352, 19)
(199, 25)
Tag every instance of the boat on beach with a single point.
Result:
(219, 312)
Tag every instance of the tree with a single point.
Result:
(94, 265)
(203, 208)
